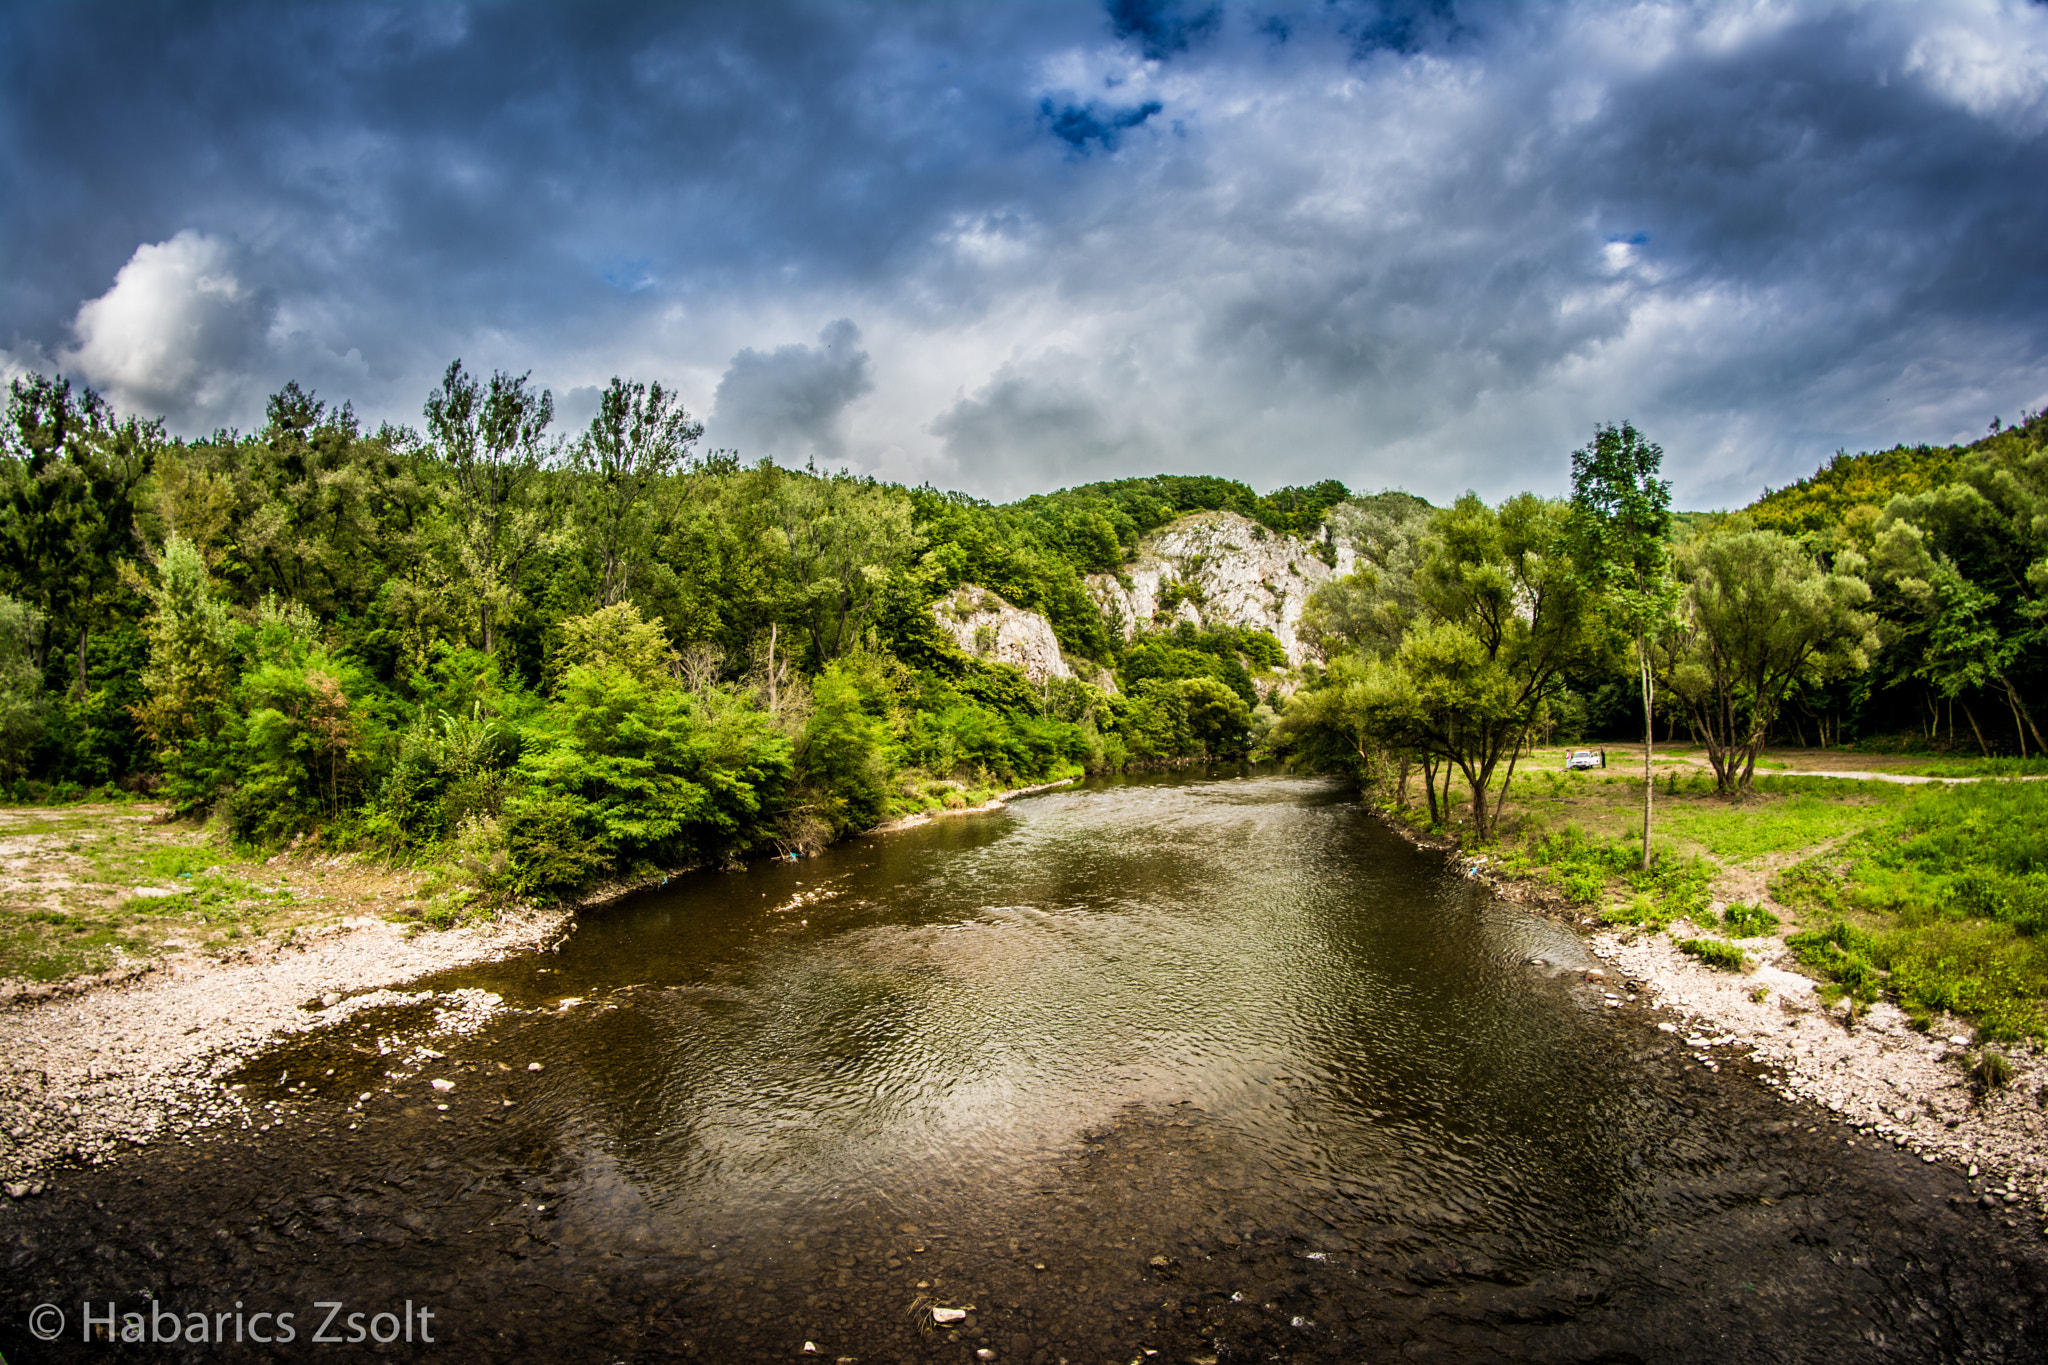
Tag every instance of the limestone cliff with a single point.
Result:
(989, 627)
(1215, 569)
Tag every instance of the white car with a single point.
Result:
(1584, 758)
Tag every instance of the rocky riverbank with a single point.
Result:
(1912, 1089)
(91, 1073)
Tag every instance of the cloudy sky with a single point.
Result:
(1012, 246)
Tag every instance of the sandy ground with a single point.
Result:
(87, 1073)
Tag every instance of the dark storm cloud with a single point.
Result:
(791, 402)
(1416, 243)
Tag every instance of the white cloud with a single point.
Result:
(174, 332)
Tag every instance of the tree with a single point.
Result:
(842, 540)
(189, 681)
(1623, 517)
(1505, 610)
(71, 477)
(491, 438)
(1759, 616)
(640, 435)
(21, 685)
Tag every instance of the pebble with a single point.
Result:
(95, 1071)
(1879, 1077)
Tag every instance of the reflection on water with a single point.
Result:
(1216, 1069)
(943, 1009)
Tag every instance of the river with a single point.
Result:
(1212, 1066)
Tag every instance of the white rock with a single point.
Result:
(1246, 576)
(985, 625)
(944, 1315)
(439, 1084)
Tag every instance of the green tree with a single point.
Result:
(188, 685)
(639, 437)
(1623, 521)
(492, 440)
(1506, 610)
(22, 707)
(1759, 616)
(842, 541)
(71, 478)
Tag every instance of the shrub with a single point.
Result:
(1715, 953)
(1841, 953)
(1749, 921)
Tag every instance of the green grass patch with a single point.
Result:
(1942, 903)
(1778, 823)
(1715, 953)
(1749, 921)
(1978, 767)
(1587, 868)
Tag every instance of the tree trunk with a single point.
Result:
(1429, 785)
(2012, 694)
(1649, 741)
(1968, 715)
(83, 635)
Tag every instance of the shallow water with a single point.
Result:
(1208, 1067)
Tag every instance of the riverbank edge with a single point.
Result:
(1877, 1074)
(136, 1054)
(994, 803)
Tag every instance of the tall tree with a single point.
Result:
(1505, 610)
(493, 440)
(71, 477)
(1622, 512)
(640, 435)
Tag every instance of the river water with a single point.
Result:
(1213, 1067)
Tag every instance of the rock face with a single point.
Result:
(989, 627)
(1218, 569)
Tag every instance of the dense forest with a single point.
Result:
(553, 658)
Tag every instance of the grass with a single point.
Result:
(1943, 904)
(72, 902)
(1749, 921)
(1716, 953)
(1813, 810)
(1933, 896)
(1587, 867)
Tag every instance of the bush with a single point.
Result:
(1749, 921)
(1841, 954)
(1715, 953)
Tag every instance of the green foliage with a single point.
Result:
(1749, 921)
(1842, 954)
(1715, 953)
(619, 771)
(1586, 868)
(22, 707)
(1943, 902)
(1820, 502)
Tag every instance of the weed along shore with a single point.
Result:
(1819, 929)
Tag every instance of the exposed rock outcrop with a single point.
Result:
(1215, 569)
(987, 626)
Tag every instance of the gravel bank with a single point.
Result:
(85, 1075)
(1889, 1081)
